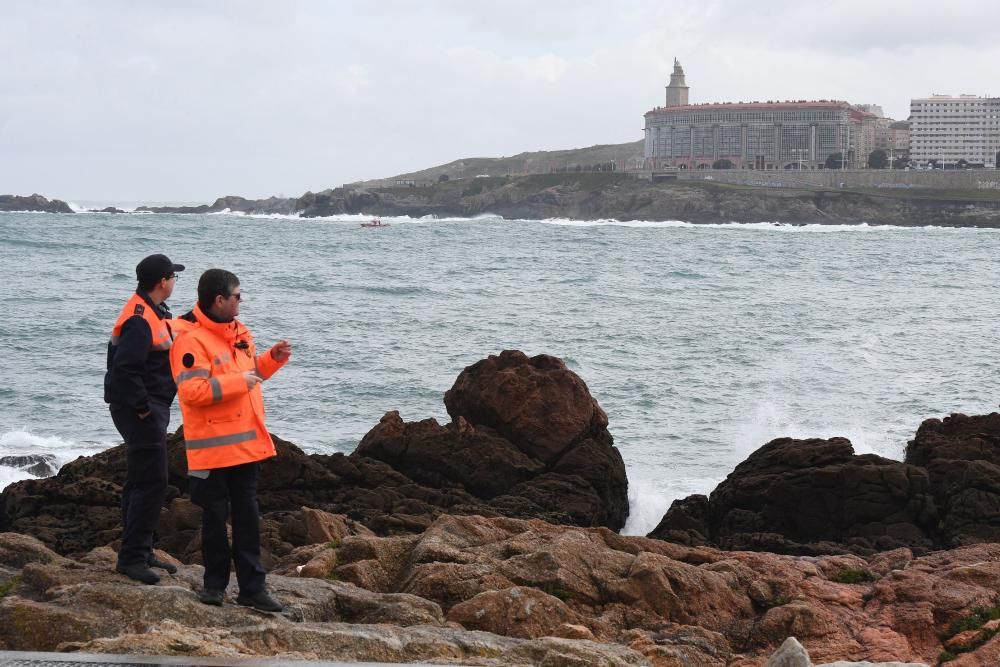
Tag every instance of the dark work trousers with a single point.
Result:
(145, 478)
(234, 487)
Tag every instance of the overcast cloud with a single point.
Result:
(187, 100)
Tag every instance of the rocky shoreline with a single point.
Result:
(597, 196)
(493, 540)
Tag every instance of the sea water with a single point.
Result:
(701, 342)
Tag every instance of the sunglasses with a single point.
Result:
(238, 295)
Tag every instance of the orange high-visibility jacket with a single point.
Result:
(223, 421)
(137, 305)
(138, 367)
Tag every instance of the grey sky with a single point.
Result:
(187, 100)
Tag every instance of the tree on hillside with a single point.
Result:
(900, 163)
(722, 164)
(998, 160)
(878, 159)
(443, 177)
(834, 161)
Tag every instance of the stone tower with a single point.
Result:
(677, 91)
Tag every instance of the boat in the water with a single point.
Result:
(375, 222)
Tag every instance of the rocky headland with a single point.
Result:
(603, 195)
(493, 539)
(594, 196)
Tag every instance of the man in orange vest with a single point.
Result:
(139, 387)
(219, 374)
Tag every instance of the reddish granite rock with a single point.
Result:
(536, 403)
(681, 605)
(674, 605)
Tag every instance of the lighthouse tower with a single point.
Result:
(677, 91)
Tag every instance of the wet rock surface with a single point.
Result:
(816, 496)
(962, 457)
(39, 465)
(810, 497)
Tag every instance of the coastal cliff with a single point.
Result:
(595, 196)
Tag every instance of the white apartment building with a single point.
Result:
(948, 129)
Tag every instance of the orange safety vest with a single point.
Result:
(162, 335)
(223, 422)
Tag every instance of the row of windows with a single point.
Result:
(684, 117)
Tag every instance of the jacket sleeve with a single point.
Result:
(266, 366)
(191, 367)
(129, 365)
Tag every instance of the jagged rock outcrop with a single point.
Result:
(810, 497)
(816, 496)
(35, 202)
(401, 477)
(962, 457)
(526, 436)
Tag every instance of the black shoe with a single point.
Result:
(169, 568)
(212, 596)
(261, 601)
(139, 572)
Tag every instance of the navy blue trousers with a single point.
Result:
(225, 489)
(145, 478)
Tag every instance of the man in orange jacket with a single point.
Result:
(139, 387)
(218, 374)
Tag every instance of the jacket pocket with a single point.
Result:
(225, 414)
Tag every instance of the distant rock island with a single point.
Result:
(35, 202)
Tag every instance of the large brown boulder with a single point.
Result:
(810, 497)
(962, 457)
(536, 403)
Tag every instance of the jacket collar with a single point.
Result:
(225, 330)
(162, 310)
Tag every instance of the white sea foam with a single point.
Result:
(21, 442)
(649, 499)
(769, 419)
(774, 226)
(744, 226)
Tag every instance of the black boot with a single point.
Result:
(212, 596)
(169, 568)
(139, 572)
(261, 601)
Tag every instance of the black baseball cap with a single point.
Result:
(154, 267)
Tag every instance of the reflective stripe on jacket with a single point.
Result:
(223, 421)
